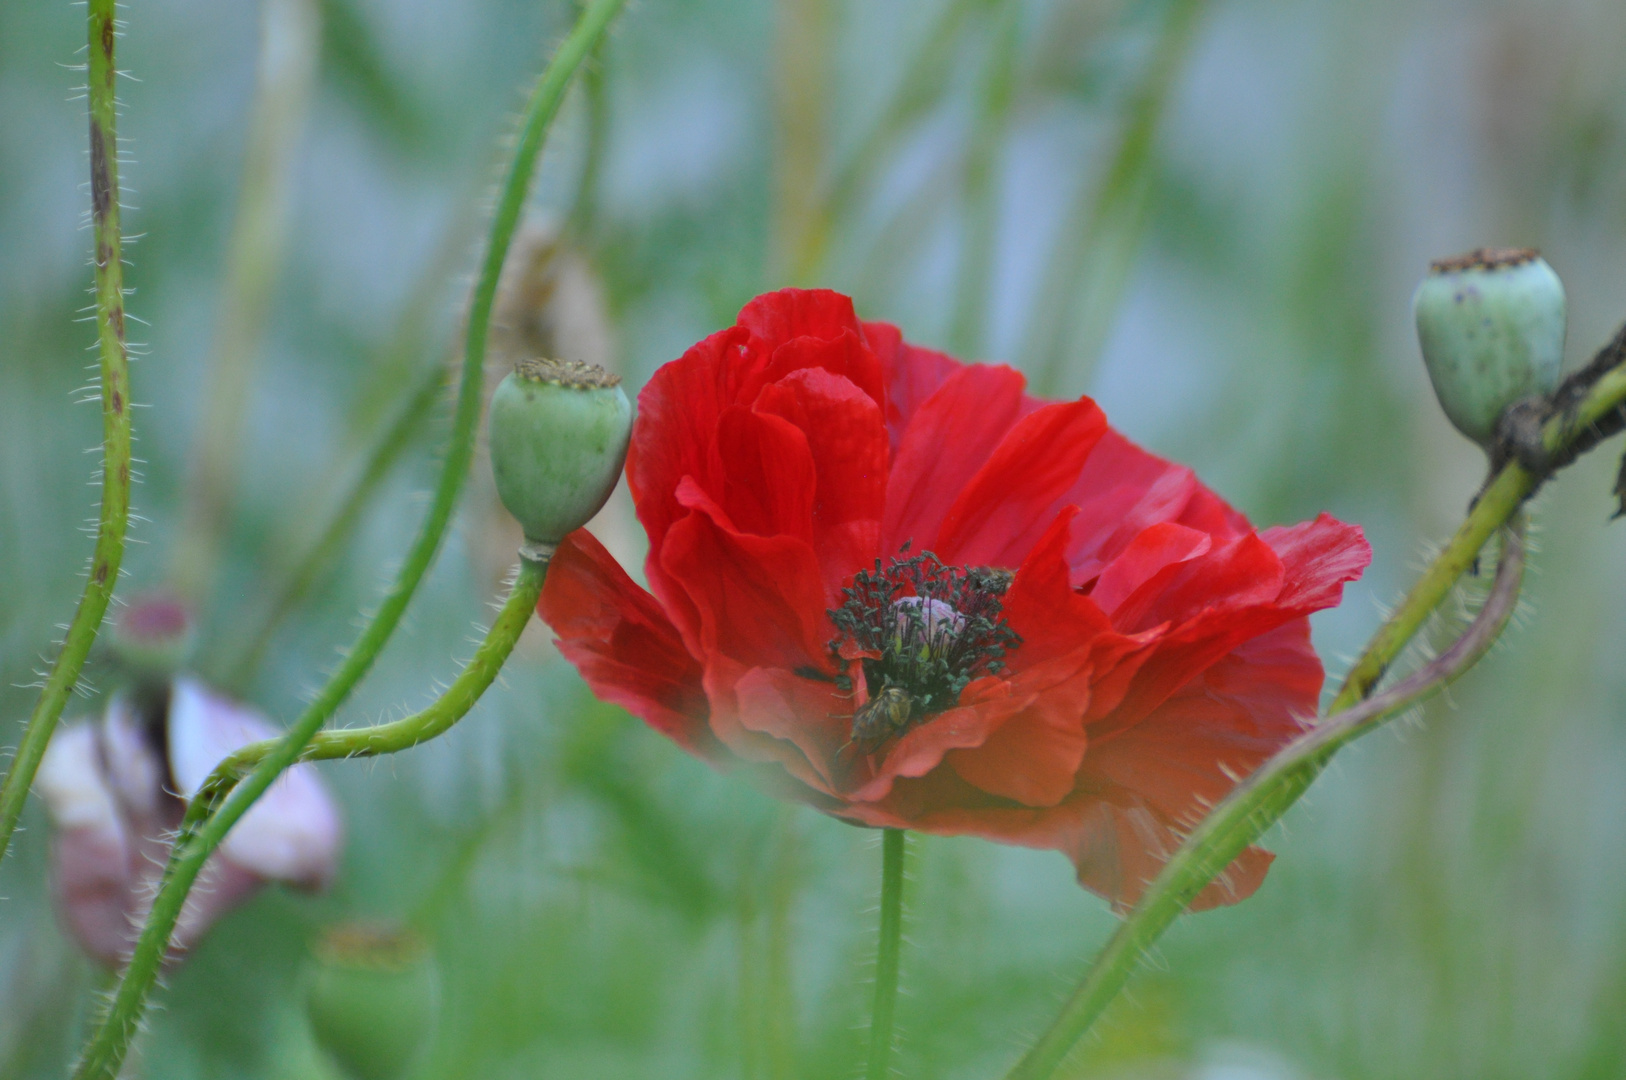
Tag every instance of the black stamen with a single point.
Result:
(927, 651)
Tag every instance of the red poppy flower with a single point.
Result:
(913, 596)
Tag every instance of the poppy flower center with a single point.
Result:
(921, 631)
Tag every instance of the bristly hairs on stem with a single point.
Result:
(1535, 439)
(208, 820)
(888, 948)
(114, 393)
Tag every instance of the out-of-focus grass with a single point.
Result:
(1448, 899)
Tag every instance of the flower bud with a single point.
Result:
(370, 995)
(152, 638)
(1491, 325)
(559, 433)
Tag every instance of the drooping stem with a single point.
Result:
(888, 946)
(1256, 804)
(107, 1048)
(203, 830)
(115, 396)
(408, 732)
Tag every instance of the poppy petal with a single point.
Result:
(847, 443)
(1008, 504)
(622, 641)
(758, 599)
(768, 475)
(946, 444)
(912, 375)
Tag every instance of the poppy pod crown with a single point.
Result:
(902, 590)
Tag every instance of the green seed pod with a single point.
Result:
(371, 998)
(1491, 324)
(559, 433)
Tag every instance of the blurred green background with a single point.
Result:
(1208, 215)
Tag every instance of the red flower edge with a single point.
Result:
(1144, 646)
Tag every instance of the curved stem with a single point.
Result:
(887, 948)
(115, 394)
(1547, 433)
(107, 1048)
(203, 831)
(1256, 804)
(408, 732)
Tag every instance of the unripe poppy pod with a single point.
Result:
(371, 997)
(559, 432)
(1491, 325)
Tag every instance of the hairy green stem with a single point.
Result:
(1256, 804)
(887, 948)
(1537, 437)
(107, 1048)
(396, 735)
(115, 396)
(217, 807)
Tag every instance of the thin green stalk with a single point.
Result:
(107, 1048)
(203, 831)
(290, 39)
(583, 216)
(1538, 437)
(1244, 815)
(981, 193)
(803, 67)
(347, 512)
(1095, 249)
(893, 843)
(115, 364)
(403, 734)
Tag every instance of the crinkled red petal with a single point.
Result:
(622, 642)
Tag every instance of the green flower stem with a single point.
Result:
(216, 808)
(115, 395)
(406, 733)
(1255, 805)
(1538, 437)
(893, 843)
(108, 1046)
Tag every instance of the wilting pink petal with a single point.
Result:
(114, 801)
(292, 834)
(92, 877)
